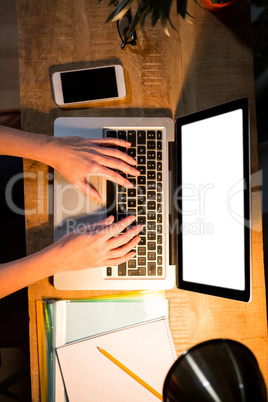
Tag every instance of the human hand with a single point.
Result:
(77, 158)
(97, 245)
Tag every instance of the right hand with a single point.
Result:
(97, 245)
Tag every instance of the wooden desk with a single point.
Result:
(203, 63)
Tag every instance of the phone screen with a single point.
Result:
(88, 85)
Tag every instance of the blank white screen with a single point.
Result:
(213, 201)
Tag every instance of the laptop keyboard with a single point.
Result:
(144, 200)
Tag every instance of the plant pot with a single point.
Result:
(216, 6)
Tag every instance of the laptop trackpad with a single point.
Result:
(73, 209)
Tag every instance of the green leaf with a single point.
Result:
(120, 10)
(141, 15)
(181, 7)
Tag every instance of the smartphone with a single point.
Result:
(89, 84)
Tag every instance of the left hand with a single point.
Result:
(77, 157)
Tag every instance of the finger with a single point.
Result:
(104, 223)
(124, 238)
(110, 174)
(95, 227)
(120, 260)
(118, 227)
(115, 163)
(88, 190)
(125, 249)
(117, 154)
(111, 141)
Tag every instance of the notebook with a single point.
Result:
(146, 349)
(72, 320)
(199, 187)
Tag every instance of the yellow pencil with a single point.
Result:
(129, 372)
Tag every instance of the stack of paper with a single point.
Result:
(67, 321)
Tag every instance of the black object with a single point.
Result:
(219, 370)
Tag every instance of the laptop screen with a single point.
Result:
(213, 201)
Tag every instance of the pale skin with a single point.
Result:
(89, 247)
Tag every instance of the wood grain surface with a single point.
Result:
(207, 60)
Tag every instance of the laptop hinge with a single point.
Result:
(173, 216)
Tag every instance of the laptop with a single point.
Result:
(192, 198)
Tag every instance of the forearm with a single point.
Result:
(18, 274)
(38, 147)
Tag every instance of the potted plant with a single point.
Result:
(159, 10)
(216, 5)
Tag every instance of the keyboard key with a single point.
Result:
(141, 210)
(132, 181)
(111, 134)
(151, 268)
(151, 215)
(159, 249)
(159, 271)
(151, 165)
(159, 260)
(151, 185)
(142, 240)
(151, 245)
(141, 150)
(122, 198)
(151, 195)
(159, 187)
(151, 205)
(141, 261)
(159, 239)
(151, 175)
(159, 176)
(159, 208)
(159, 197)
(141, 180)
(150, 144)
(131, 202)
(159, 146)
(151, 256)
(151, 155)
(141, 250)
(141, 190)
(109, 271)
(122, 269)
(132, 138)
(121, 189)
(159, 135)
(141, 200)
(137, 272)
(151, 135)
(159, 218)
(132, 263)
(151, 225)
(142, 220)
(142, 169)
(152, 236)
(121, 208)
(159, 166)
(141, 160)
(131, 192)
(141, 137)
(132, 152)
(159, 155)
(122, 135)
